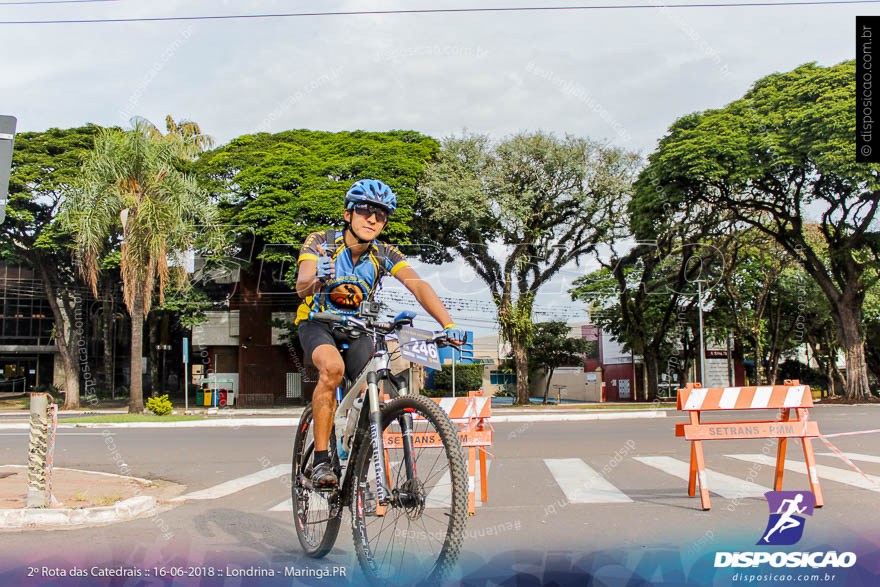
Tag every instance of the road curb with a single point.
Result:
(290, 422)
(128, 509)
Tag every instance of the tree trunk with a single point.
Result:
(759, 370)
(136, 401)
(522, 372)
(68, 335)
(107, 334)
(852, 340)
(549, 374)
(71, 377)
(651, 372)
(155, 382)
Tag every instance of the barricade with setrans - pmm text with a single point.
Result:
(786, 398)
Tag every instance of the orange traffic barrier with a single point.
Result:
(472, 415)
(785, 398)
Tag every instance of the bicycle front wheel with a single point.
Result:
(316, 514)
(416, 538)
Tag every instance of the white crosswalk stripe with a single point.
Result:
(724, 485)
(235, 485)
(581, 484)
(830, 473)
(853, 456)
(441, 495)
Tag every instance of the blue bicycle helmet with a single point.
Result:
(372, 191)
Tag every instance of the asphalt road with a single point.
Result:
(541, 517)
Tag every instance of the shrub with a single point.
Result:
(506, 390)
(467, 378)
(53, 390)
(159, 405)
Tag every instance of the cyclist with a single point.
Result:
(335, 277)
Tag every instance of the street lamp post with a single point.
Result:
(702, 346)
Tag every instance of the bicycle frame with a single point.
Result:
(377, 369)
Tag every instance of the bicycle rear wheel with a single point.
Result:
(316, 514)
(417, 538)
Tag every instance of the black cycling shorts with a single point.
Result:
(312, 334)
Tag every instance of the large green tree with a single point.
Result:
(645, 294)
(520, 210)
(275, 189)
(777, 158)
(750, 297)
(132, 186)
(45, 166)
(552, 347)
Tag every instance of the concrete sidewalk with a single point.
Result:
(82, 498)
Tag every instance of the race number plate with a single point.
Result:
(414, 346)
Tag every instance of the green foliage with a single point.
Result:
(515, 318)
(45, 167)
(131, 187)
(289, 330)
(552, 347)
(772, 159)
(284, 186)
(467, 378)
(55, 392)
(188, 303)
(160, 406)
(506, 390)
(548, 200)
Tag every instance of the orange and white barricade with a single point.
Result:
(472, 415)
(785, 398)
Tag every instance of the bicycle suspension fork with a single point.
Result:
(382, 492)
(406, 428)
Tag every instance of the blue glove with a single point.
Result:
(455, 333)
(325, 268)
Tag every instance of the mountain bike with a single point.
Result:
(399, 463)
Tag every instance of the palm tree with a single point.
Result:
(132, 184)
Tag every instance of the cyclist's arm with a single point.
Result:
(425, 295)
(306, 280)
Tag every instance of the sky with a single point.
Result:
(622, 76)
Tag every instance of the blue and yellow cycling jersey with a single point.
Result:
(351, 283)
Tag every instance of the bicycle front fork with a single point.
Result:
(383, 492)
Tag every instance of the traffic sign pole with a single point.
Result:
(185, 375)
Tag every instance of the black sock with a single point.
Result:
(321, 456)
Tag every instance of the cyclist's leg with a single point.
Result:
(317, 340)
(359, 351)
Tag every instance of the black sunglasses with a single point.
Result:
(366, 210)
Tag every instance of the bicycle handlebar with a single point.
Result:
(368, 326)
(327, 317)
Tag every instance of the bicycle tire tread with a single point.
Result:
(333, 524)
(458, 470)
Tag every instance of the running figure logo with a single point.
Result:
(785, 527)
